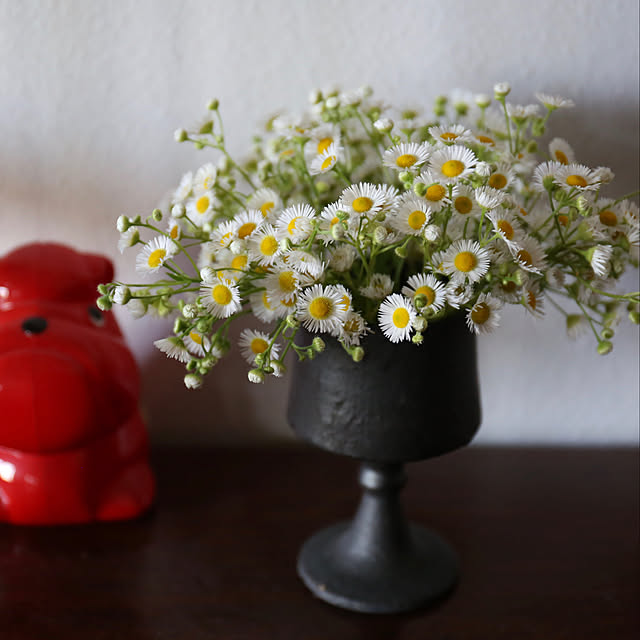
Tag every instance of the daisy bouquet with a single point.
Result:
(355, 217)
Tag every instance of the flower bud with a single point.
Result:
(179, 326)
(178, 211)
(292, 321)
(483, 169)
(180, 135)
(208, 275)
(213, 105)
(483, 100)
(432, 233)
(337, 232)
(401, 252)
(607, 333)
(417, 338)
(501, 90)
(256, 376)
(122, 294)
(357, 354)
(123, 223)
(420, 189)
(192, 380)
(104, 303)
(156, 214)
(383, 125)
(420, 324)
(332, 102)
(318, 344)
(379, 234)
(604, 347)
(634, 316)
(190, 311)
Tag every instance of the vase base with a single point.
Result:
(421, 573)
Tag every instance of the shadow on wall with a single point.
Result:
(228, 409)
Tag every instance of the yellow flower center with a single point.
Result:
(416, 219)
(608, 218)
(509, 286)
(362, 204)
(480, 313)
(321, 308)
(259, 345)
(345, 302)
(448, 135)
(523, 212)
(246, 230)
(174, 231)
(327, 163)
(427, 292)
(221, 294)
(268, 246)
(323, 145)
(453, 168)
(266, 208)
(406, 160)
(561, 157)
(532, 300)
(576, 181)
(291, 227)
(525, 257)
(506, 228)
(196, 337)
(335, 220)
(287, 281)
(465, 261)
(351, 326)
(239, 262)
(486, 140)
(400, 318)
(563, 219)
(435, 192)
(156, 257)
(265, 301)
(498, 181)
(463, 205)
(202, 204)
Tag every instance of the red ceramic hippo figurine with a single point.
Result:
(73, 446)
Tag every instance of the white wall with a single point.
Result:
(92, 92)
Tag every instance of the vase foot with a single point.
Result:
(423, 572)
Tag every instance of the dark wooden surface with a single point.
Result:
(548, 540)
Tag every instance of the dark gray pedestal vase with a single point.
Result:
(401, 403)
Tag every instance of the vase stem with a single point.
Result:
(379, 531)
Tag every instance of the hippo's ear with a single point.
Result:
(99, 268)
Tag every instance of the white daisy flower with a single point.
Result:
(284, 284)
(154, 254)
(221, 299)
(136, 308)
(502, 177)
(395, 317)
(262, 308)
(560, 151)
(609, 215)
(453, 163)
(484, 140)
(247, 222)
(411, 216)
(205, 179)
(505, 225)
(508, 291)
(174, 228)
(533, 299)
(576, 176)
(184, 189)
(196, 343)
(174, 348)
(521, 112)
(200, 208)
(450, 133)
(436, 193)
(328, 219)
(263, 245)
(380, 285)
(232, 265)
(458, 294)
(253, 343)
(321, 138)
(600, 257)
(267, 201)
(224, 234)
(305, 263)
(544, 175)
(296, 222)
(342, 257)
(484, 316)
(429, 286)
(406, 156)
(325, 161)
(463, 201)
(320, 309)
(630, 213)
(352, 329)
(489, 198)
(465, 260)
(530, 255)
(554, 102)
(604, 175)
(362, 199)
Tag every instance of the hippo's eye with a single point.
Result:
(96, 316)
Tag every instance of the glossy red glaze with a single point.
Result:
(73, 447)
